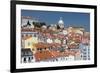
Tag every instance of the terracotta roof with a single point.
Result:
(55, 44)
(42, 45)
(46, 45)
(45, 55)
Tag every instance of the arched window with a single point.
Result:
(24, 59)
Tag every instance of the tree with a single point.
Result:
(58, 27)
(42, 23)
(28, 23)
(39, 24)
(48, 26)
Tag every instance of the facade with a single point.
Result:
(27, 55)
(28, 39)
(85, 52)
(53, 27)
(86, 38)
(78, 55)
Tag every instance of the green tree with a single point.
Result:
(28, 23)
(58, 27)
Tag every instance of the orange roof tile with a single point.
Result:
(42, 45)
(44, 55)
(46, 45)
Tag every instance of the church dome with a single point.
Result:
(60, 22)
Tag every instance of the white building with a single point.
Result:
(58, 59)
(53, 27)
(49, 40)
(85, 52)
(65, 32)
(27, 55)
(44, 27)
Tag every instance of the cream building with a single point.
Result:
(78, 30)
(57, 41)
(49, 40)
(29, 42)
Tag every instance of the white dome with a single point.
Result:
(60, 21)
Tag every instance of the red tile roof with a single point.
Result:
(45, 55)
(46, 45)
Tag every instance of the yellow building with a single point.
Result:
(28, 42)
(79, 30)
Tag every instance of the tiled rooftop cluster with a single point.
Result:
(50, 43)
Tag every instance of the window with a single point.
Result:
(44, 48)
(84, 59)
(29, 44)
(40, 49)
(37, 49)
(88, 58)
(56, 59)
(34, 34)
(84, 56)
(24, 59)
(84, 53)
(29, 59)
(88, 52)
(33, 50)
(22, 35)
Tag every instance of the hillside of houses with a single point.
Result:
(41, 42)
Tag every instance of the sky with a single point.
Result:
(52, 17)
